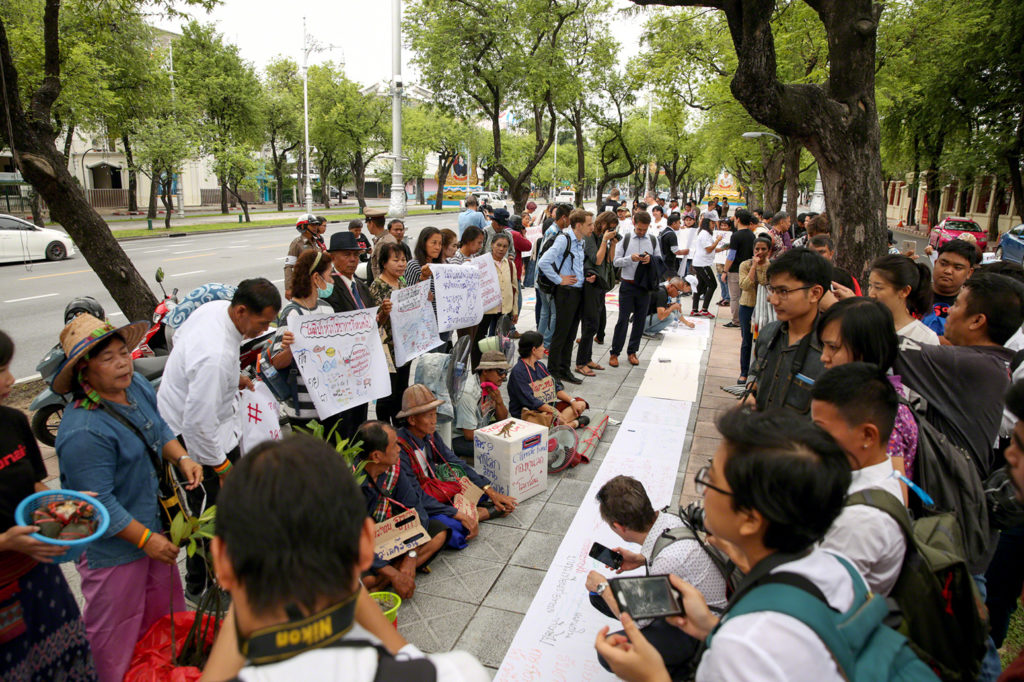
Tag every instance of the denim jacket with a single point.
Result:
(98, 453)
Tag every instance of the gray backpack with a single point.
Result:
(723, 563)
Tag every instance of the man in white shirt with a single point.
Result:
(635, 254)
(857, 405)
(199, 391)
(625, 222)
(292, 539)
(625, 507)
(766, 533)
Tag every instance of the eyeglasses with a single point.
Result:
(782, 292)
(701, 484)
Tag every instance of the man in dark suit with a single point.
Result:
(349, 294)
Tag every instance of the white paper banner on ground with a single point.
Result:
(556, 638)
(413, 325)
(457, 296)
(259, 416)
(341, 359)
(490, 290)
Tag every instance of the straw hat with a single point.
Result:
(418, 399)
(79, 337)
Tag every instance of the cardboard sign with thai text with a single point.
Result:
(398, 535)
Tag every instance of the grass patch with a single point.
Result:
(280, 221)
(1014, 642)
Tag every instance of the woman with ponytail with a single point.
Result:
(905, 287)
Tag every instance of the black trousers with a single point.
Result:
(677, 648)
(632, 299)
(593, 308)
(197, 575)
(568, 310)
(391, 405)
(346, 423)
(706, 285)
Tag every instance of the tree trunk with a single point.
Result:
(993, 209)
(444, 165)
(154, 189)
(933, 194)
(279, 185)
(914, 185)
(792, 176)
(69, 139)
(133, 178)
(1013, 165)
(420, 191)
(37, 210)
(359, 174)
(581, 161)
(223, 195)
(165, 196)
(241, 202)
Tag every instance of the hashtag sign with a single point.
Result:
(254, 413)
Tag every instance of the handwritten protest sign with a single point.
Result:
(457, 295)
(490, 291)
(259, 417)
(413, 325)
(341, 359)
(398, 535)
(466, 500)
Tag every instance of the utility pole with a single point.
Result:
(554, 170)
(306, 49)
(650, 116)
(397, 207)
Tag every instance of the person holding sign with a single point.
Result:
(508, 283)
(391, 261)
(481, 402)
(442, 474)
(531, 386)
(390, 493)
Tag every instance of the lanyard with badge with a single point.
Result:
(543, 388)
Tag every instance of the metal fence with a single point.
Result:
(108, 198)
(211, 197)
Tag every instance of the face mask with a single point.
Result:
(325, 293)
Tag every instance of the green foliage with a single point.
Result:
(349, 451)
(189, 530)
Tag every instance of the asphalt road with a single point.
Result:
(32, 298)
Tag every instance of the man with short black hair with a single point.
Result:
(635, 255)
(397, 229)
(955, 263)
(665, 307)
(199, 395)
(563, 263)
(856, 404)
(471, 216)
(356, 228)
(773, 538)
(781, 241)
(741, 248)
(788, 351)
(375, 224)
(291, 541)
(624, 505)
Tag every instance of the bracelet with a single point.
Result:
(181, 458)
(146, 535)
(223, 468)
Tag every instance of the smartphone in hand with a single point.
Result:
(606, 556)
(647, 596)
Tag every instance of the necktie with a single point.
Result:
(355, 296)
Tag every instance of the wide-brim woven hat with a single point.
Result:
(492, 359)
(81, 335)
(418, 399)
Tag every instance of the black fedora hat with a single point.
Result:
(344, 241)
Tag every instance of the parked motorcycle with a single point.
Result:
(157, 338)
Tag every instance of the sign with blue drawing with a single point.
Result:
(413, 325)
(341, 359)
(457, 295)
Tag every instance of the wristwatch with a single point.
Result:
(601, 588)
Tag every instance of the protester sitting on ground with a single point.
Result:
(956, 261)
(481, 402)
(857, 405)
(107, 434)
(826, 248)
(51, 644)
(753, 274)
(311, 281)
(311, 236)
(389, 493)
(531, 386)
(356, 228)
(904, 287)
(855, 330)
(429, 249)
(626, 508)
(471, 242)
(392, 267)
(665, 308)
(449, 244)
(788, 351)
(771, 537)
(425, 455)
(292, 539)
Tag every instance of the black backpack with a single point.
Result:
(669, 536)
(543, 283)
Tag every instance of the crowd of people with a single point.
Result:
(852, 409)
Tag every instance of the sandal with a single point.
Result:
(594, 365)
(585, 370)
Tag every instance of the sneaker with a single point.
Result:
(731, 325)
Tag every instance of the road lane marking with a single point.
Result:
(198, 255)
(156, 250)
(189, 251)
(182, 274)
(55, 274)
(29, 298)
(273, 246)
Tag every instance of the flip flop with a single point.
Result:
(594, 365)
(584, 370)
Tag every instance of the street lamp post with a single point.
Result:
(85, 183)
(307, 47)
(554, 170)
(397, 207)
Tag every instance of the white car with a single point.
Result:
(492, 199)
(23, 241)
(566, 197)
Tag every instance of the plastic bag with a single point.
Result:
(151, 660)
